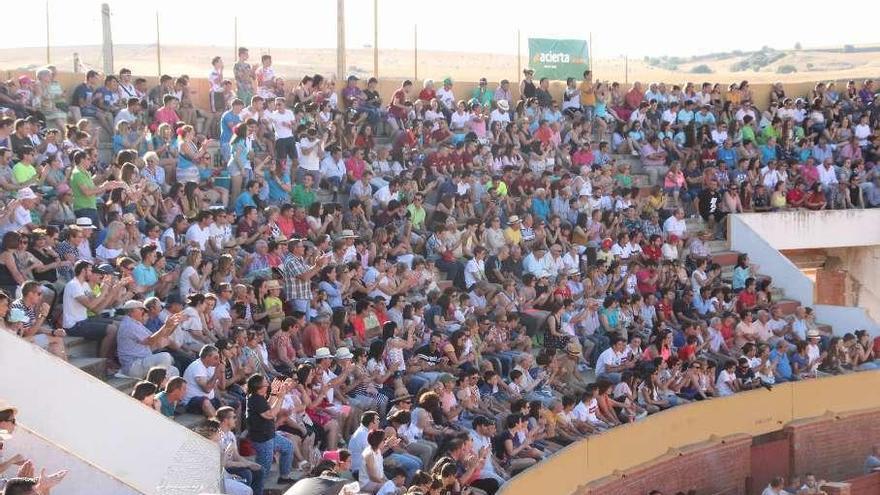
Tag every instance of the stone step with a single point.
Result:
(78, 347)
(94, 366)
(122, 383)
(725, 258)
(718, 246)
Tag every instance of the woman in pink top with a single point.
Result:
(674, 181)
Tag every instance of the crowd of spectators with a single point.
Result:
(431, 315)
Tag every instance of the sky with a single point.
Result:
(451, 25)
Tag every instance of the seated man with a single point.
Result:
(136, 343)
(204, 378)
(79, 300)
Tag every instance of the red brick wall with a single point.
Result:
(865, 485)
(834, 448)
(711, 467)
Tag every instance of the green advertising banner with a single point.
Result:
(558, 59)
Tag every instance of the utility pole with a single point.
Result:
(376, 39)
(48, 51)
(108, 39)
(158, 47)
(340, 40)
(235, 43)
(518, 55)
(415, 52)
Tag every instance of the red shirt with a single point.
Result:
(355, 167)
(582, 156)
(301, 227)
(285, 224)
(664, 309)
(398, 98)
(686, 352)
(543, 134)
(652, 252)
(642, 283)
(427, 95)
(746, 300)
(795, 195)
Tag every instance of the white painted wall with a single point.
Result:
(816, 229)
(81, 478)
(846, 319)
(863, 265)
(83, 415)
(745, 238)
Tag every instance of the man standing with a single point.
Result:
(135, 343)
(710, 208)
(282, 123)
(260, 416)
(298, 276)
(244, 75)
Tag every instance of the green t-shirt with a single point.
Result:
(416, 216)
(748, 133)
(301, 196)
(23, 172)
(82, 201)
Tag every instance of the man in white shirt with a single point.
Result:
(203, 376)
(446, 97)
(199, 232)
(475, 270)
(500, 114)
(676, 224)
(20, 220)
(333, 168)
(827, 177)
(385, 194)
(282, 121)
(613, 361)
(585, 412)
(775, 487)
(358, 441)
(309, 151)
(130, 113)
(482, 435)
(79, 299)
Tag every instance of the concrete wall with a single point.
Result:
(625, 450)
(816, 229)
(462, 89)
(82, 477)
(851, 235)
(863, 266)
(82, 414)
(745, 238)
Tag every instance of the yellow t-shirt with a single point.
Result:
(273, 304)
(588, 96)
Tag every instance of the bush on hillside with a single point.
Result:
(701, 69)
(786, 69)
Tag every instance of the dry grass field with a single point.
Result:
(810, 65)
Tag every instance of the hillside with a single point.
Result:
(811, 64)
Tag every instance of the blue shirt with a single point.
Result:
(783, 365)
(767, 153)
(700, 119)
(229, 119)
(276, 194)
(145, 276)
(541, 208)
(84, 92)
(728, 156)
(685, 116)
(244, 199)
